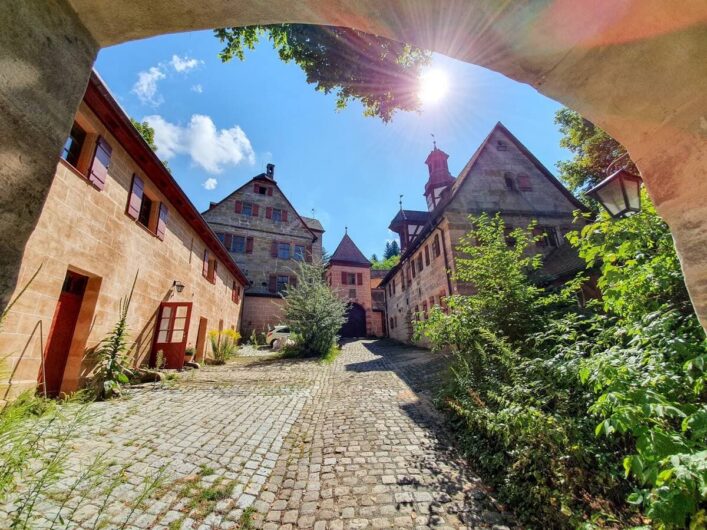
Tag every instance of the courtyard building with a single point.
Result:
(114, 217)
(268, 239)
(502, 177)
(349, 275)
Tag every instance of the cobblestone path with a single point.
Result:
(279, 443)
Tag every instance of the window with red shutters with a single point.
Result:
(235, 291)
(284, 216)
(435, 246)
(249, 245)
(273, 249)
(427, 255)
(256, 188)
(162, 221)
(205, 264)
(359, 278)
(272, 283)
(419, 262)
(268, 212)
(101, 162)
(524, 183)
(135, 200)
(269, 192)
(256, 209)
(238, 206)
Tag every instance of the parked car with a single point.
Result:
(277, 337)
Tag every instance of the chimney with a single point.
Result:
(270, 171)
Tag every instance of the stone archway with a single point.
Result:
(355, 325)
(634, 67)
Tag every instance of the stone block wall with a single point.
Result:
(261, 313)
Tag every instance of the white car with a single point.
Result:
(277, 337)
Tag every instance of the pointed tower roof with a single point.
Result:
(347, 253)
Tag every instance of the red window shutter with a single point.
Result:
(239, 206)
(284, 216)
(270, 192)
(205, 265)
(233, 291)
(273, 249)
(135, 200)
(272, 283)
(101, 160)
(427, 255)
(256, 187)
(308, 254)
(268, 212)
(162, 221)
(344, 279)
(249, 245)
(524, 183)
(359, 278)
(228, 241)
(256, 209)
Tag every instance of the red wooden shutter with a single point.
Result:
(524, 183)
(273, 249)
(427, 255)
(239, 206)
(268, 212)
(344, 279)
(256, 209)
(162, 221)
(256, 188)
(205, 265)
(228, 241)
(101, 160)
(308, 254)
(359, 278)
(272, 283)
(270, 192)
(233, 291)
(135, 200)
(284, 216)
(249, 245)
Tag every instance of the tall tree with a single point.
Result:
(380, 73)
(391, 249)
(593, 149)
(374, 258)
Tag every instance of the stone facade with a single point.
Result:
(501, 177)
(85, 229)
(266, 237)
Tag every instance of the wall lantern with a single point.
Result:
(178, 286)
(619, 193)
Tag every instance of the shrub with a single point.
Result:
(224, 344)
(313, 311)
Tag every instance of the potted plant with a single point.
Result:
(189, 353)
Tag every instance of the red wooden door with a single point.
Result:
(171, 333)
(61, 333)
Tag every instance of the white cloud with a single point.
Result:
(184, 64)
(197, 88)
(146, 85)
(210, 183)
(208, 147)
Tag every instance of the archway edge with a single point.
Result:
(634, 67)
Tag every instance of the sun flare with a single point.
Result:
(434, 85)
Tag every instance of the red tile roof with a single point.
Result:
(347, 253)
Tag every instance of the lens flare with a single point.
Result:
(434, 85)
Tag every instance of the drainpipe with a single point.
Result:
(446, 261)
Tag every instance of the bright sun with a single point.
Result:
(434, 85)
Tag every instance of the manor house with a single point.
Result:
(502, 176)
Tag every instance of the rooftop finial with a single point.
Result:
(313, 216)
(400, 202)
(346, 230)
(434, 140)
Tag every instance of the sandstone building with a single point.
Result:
(349, 274)
(266, 237)
(114, 215)
(502, 177)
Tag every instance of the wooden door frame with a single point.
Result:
(175, 305)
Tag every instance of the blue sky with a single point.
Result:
(219, 124)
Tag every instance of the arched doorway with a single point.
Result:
(355, 325)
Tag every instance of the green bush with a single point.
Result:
(313, 311)
(580, 415)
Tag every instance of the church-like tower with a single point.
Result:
(439, 180)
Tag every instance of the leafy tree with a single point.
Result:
(314, 312)
(593, 149)
(387, 264)
(391, 249)
(380, 73)
(148, 134)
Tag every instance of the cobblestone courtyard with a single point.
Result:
(281, 443)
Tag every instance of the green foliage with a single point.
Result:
(148, 134)
(391, 249)
(386, 264)
(593, 149)
(111, 363)
(313, 311)
(580, 415)
(380, 73)
(224, 344)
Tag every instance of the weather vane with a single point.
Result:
(434, 140)
(401, 202)
(346, 230)
(313, 216)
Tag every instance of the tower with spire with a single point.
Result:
(440, 179)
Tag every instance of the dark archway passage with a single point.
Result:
(355, 325)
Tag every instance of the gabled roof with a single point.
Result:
(347, 253)
(313, 224)
(106, 108)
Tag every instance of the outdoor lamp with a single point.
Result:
(619, 193)
(178, 286)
